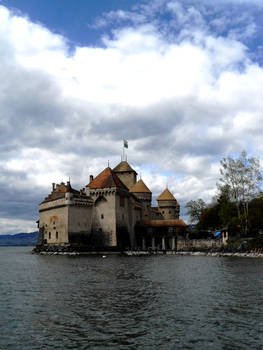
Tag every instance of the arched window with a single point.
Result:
(100, 200)
(57, 235)
(49, 235)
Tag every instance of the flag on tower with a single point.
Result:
(125, 143)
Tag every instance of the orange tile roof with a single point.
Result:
(59, 192)
(140, 187)
(162, 223)
(107, 179)
(166, 196)
(123, 167)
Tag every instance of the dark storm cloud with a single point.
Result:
(17, 202)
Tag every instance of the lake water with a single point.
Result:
(156, 302)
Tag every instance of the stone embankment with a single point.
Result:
(66, 249)
(53, 249)
(222, 254)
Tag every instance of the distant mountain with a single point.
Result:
(19, 239)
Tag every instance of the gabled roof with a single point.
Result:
(107, 179)
(123, 167)
(140, 187)
(166, 196)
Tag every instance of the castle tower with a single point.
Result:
(111, 204)
(168, 205)
(142, 192)
(126, 174)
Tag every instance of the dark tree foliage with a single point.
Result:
(255, 219)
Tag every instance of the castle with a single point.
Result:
(112, 212)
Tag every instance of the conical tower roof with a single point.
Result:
(107, 179)
(123, 167)
(140, 187)
(166, 196)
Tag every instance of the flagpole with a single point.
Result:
(122, 149)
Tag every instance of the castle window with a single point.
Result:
(163, 212)
(49, 235)
(100, 229)
(57, 235)
(102, 216)
(169, 211)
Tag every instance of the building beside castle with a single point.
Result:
(112, 212)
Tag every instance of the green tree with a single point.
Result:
(243, 177)
(255, 215)
(209, 219)
(227, 211)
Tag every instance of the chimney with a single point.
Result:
(90, 178)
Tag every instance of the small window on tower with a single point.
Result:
(49, 235)
(56, 235)
(102, 216)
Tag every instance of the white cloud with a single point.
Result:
(182, 104)
(11, 226)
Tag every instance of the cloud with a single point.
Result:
(184, 98)
(11, 226)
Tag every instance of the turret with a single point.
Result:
(168, 205)
(126, 174)
(142, 192)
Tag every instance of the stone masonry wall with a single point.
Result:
(183, 244)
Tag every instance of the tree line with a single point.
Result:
(238, 205)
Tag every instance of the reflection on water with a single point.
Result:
(164, 302)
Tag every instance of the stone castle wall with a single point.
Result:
(190, 244)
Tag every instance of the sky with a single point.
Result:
(182, 81)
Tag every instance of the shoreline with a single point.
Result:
(146, 253)
(223, 255)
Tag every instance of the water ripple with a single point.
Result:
(160, 302)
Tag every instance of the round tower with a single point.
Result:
(168, 205)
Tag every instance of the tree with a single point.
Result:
(227, 211)
(195, 209)
(243, 178)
